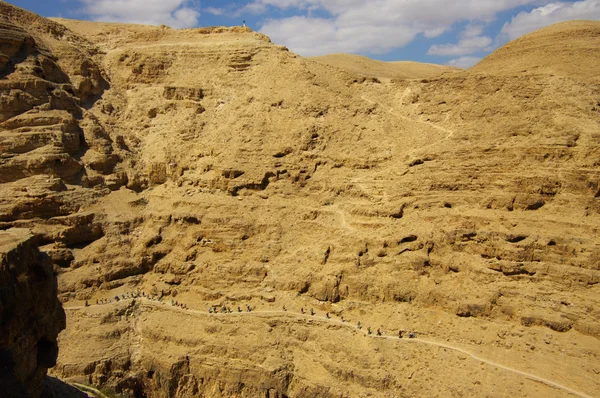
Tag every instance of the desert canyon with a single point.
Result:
(166, 178)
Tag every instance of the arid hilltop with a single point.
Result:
(168, 172)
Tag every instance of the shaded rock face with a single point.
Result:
(31, 316)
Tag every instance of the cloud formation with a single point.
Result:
(464, 62)
(526, 22)
(174, 13)
(375, 26)
(318, 36)
(471, 41)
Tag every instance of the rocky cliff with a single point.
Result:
(31, 315)
(168, 171)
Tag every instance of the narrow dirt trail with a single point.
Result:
(88, 389)
(449, 133)
(342, 217)
(268, 313)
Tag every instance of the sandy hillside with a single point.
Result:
(182, 170)
(569, 49)
(364, 66)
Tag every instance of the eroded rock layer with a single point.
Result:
(212, 168)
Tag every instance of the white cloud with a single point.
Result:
(464, 62)
(174, 13)
(317, 36)
(424, 10)
(470, 42)
(214, 10)
(376, 25)
(526, 22)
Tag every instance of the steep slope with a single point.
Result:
(463, 207)
(364, 66)
(31, 315)
(52, 151)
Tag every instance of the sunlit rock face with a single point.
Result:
(164, 172)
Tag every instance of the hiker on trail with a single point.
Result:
(123, 296)
(87, 304)
(302, 310)
(239, 309)
(359, 325)
(172, 302)
(400, 332)
(412, 335)
(343, 319)
(368, 330)
(223, 309)
(116, 298)
(378, 332)
(209, 310)
(96, 301)
(327, 315)
(248, 308)
(312, 312)
(285, 309)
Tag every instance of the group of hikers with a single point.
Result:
(215, 309)
(227, 310)
(411, 335)
(131, 295)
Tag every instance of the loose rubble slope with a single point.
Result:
(215, 168)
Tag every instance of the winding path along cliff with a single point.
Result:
(214, 168)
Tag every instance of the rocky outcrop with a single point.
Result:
(31, 316)
(216, 169)
(52, 151)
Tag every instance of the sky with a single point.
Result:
(455, 32)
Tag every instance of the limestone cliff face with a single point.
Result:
(51, 150)
(31, 316)
(213, 167)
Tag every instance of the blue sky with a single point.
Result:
(458, 32)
